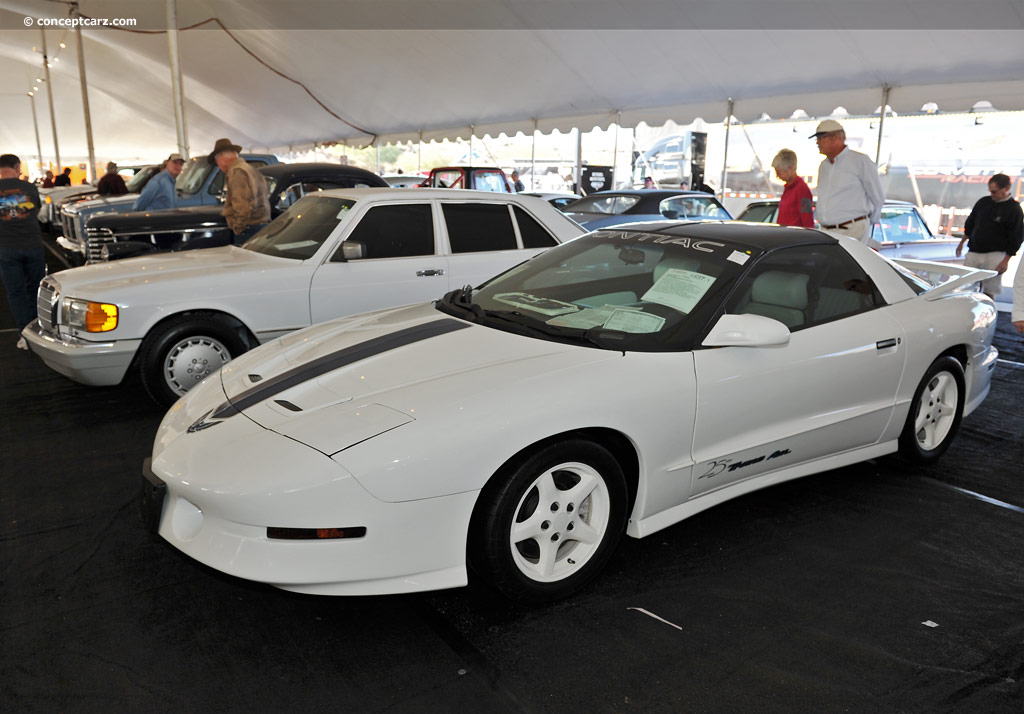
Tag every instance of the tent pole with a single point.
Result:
(419, 157)
(49, 95)
(725, 154)
(881, 121)
(378, 158)
(176, 88)
(85, 102)
(615, 146)
(35, 123)
(579, 160)
(533, 158)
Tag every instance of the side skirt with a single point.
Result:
(671, 516)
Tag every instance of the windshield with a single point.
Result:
(139, 180)
(194, 176)
(621, 290)
(300, 231)
(612, 205)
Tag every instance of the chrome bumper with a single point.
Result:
(97, 364)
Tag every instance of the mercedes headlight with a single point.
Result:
(89, 316)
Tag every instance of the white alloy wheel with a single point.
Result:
(936, 410)
(191, 360)
(560, 522)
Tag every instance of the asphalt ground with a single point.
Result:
(873, 588)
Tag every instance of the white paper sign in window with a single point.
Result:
(679, 289)
(585, 319)
(634, 321)
(545, 306)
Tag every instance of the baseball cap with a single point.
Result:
(175, 157)
(826, 127)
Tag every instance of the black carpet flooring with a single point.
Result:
(873, 588)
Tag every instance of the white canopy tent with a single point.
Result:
(402, 70)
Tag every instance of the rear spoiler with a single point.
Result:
(943, 277)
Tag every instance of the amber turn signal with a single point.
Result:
(100, 317)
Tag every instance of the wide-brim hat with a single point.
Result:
(223, 145)
(828, 126)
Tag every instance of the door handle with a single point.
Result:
(886, 344)
(430, 272)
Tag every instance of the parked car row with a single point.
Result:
(378, 363)
(901, 232)
(178, 316)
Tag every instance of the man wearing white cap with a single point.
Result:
(159, 191)
(850, 196)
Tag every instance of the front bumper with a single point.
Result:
(213, 499)
(97, 364)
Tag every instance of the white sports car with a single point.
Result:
(620, 382)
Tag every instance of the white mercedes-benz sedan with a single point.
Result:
(619, 383)
(179, 316)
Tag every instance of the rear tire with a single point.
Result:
(547, 527)
(935, 412)
(183, 351)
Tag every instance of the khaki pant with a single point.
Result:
(861, 230)
(987, 261)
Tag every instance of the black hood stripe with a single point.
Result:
(333, 361)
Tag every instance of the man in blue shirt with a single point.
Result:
(159, 192)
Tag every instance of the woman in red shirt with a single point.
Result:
(796, 207)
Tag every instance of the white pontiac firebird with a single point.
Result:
(618, 383)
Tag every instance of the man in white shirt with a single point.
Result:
(850, 196)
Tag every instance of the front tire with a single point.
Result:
(180, 353)
(547, 527)
(935, 412)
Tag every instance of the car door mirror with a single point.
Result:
(670, 214)
(747, 331)
(353, 250)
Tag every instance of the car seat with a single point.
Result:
(780, 295)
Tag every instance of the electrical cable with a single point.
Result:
(73, 9)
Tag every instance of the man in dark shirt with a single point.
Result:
(22, 261)
(993, 233)
(111, 184)
(64, 179)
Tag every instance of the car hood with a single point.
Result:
(102, 203)
(162, 220)
(114, 281)
(337, 384)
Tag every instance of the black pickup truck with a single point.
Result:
(123, 235)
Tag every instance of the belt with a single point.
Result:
(844, 224)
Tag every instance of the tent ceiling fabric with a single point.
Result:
(436, 68)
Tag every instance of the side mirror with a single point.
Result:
(670, 214)
(746, 331)
(353, 250)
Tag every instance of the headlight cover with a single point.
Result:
(89, 316)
